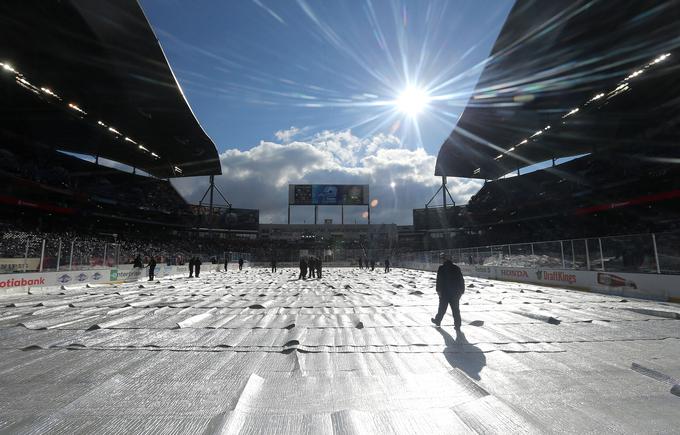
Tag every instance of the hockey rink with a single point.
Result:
(353, 352)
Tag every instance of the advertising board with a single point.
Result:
(9, 265)
(635, 285)
(24, 281)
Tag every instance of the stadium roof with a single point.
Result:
(90, 77)
(566, 78)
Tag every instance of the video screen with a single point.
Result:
(328, 194)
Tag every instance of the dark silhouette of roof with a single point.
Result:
(552, 58)
(83, 76)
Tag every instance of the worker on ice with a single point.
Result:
(197, 266)
(318, 266)
(312, 267)
(152, 267)
(303, 268)
(450, 287)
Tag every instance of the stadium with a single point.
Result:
(570, 249)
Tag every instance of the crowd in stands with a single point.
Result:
(586, 197)
(89, 186)
(81, 248)
(578, 184)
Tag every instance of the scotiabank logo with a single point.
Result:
(515, 273)
(64, 278)
(21, 282)
(97, 276)
(556, 276)
(82, 277)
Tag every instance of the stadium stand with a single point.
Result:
(71, 81)
(71, 185)
(615, 107)
(73, 92)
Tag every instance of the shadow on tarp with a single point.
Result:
(462, 355)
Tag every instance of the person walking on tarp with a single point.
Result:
(361, 263)
(387, 265)
(450, 287)
(226, 261)
(273, 263)
(312, 267)
(152, 267)
(372, 264)
(303, 269)
(197, 266)
(318, 268)
(191, 267)
(240, 264)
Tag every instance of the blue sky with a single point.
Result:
(316, 81)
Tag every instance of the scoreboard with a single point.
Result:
(328, 194)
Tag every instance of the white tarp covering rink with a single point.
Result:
(353, 352)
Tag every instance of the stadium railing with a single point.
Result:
(50, 254)
(640, 253)
(31, 252)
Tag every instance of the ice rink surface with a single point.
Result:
(352, 353)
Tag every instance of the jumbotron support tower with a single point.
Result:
(445, 192)
(210, 191)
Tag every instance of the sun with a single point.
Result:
(412, 101)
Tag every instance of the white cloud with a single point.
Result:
(285, 136)
(259, 177)
(270, 11)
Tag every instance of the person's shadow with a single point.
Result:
(462, 355)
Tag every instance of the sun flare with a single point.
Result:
(412, 101)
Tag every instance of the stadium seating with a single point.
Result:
(56, 180)
(586, 197)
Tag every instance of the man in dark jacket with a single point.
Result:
(318, 268)
(226, 262)
(191, 267)
(312, 267)
(152, 268)
(240, 264)
(387, 265)
(450, 287)
(197, 266)
(303, 269)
